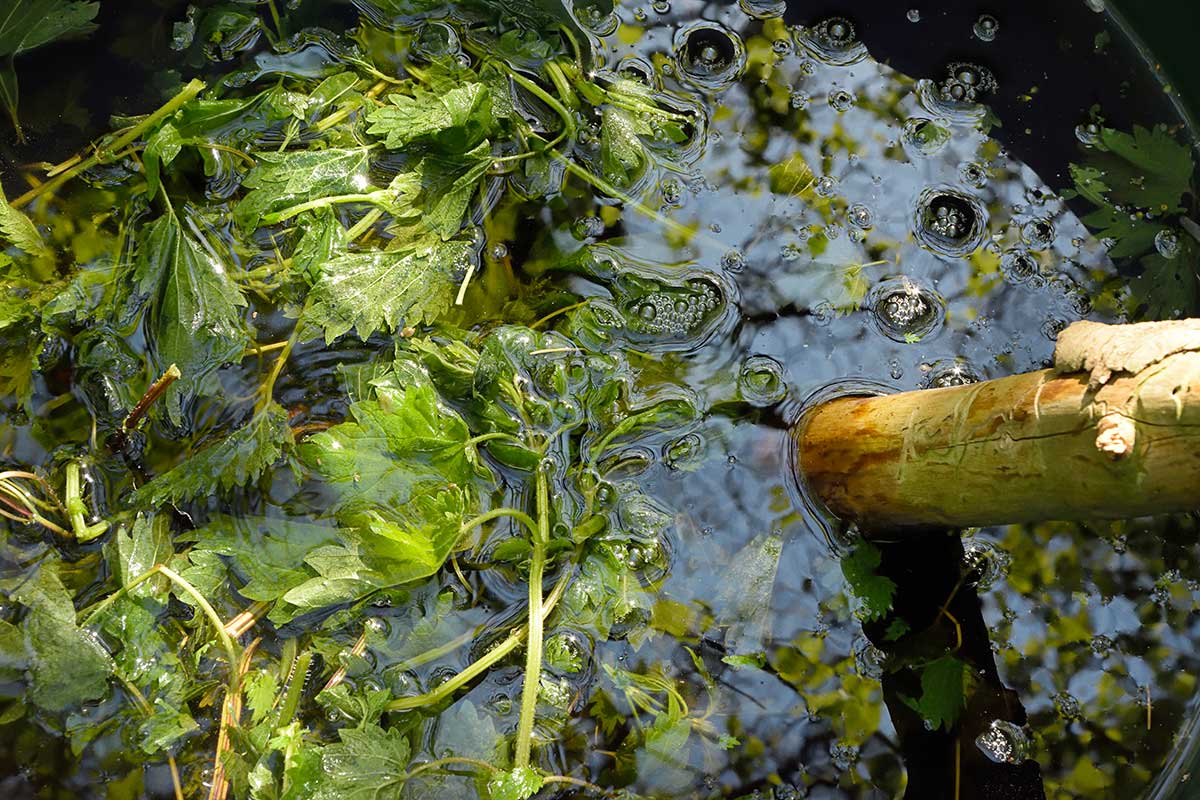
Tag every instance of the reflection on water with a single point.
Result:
(828, 224)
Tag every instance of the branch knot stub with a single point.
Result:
(1116, 435)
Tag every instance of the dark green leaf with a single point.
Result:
(235, 460)
(943, 692)
(453, 121)
(195, 319)
(874, 592)
(282, 180)
(17, 230)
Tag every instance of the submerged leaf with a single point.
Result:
(236, 460)
(454, 121)
(873, 591)
(287, 179)
(19, 231)
(368, 764)
(520, 783)
(195, 320)
(943, 691)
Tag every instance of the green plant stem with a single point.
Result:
(537, 91)
(448, 761)
(496, 513)
(533, 651)
(484, 663)
(626, 199)
(101, 154)
(268, 388)
(562, 85)
(76, 508)
(231, 650)
(291, 700)
(378, 198)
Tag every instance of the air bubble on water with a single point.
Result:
(1088, 135)
(861, 216)
(842, 100)
(661, 7)
(1095, 5)
(781, 47)
(1038, 234)
(1018, 266)
(763, 9)
(733, 261)
(869, 659)
(791, 252)
(833, 41)
(895, 370)
(761, 381)
(984, 563)
(499, 251)
(960, 95)
(903, 310)
(800, 99)
(686, 451)
(949, 222)
(826, 186)
(923, 137)
(1067, 706)
(595, 18)
(1004, 743)
(1167, 244)
(587, 227)
(1053, 326)
(640, 15)
(914, 15)
(672, 192)
(986, 28)
(709, 54)
(1102, 646)
(974, 174)
(950, 372)
(435, 40)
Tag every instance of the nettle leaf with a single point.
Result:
(377, 290)
(454, 121)
(622, 155)
(131, 553)
(520, 783)
(281, 180)
(1170, 287)
(1151, 169)
(945, 684)
(195, 318)
(28, 24)
(67, 666)
(447, 186)
(19, 231)
(368, 763)
(235, 460)
(874, 592)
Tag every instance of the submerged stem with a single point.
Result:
(102, 154)
(533, 652)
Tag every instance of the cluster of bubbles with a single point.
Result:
(967, 83)
(949, 222)
(946, 373)
(1038, 234)
(675, 312)
(1067, 706)
(593, 16)
(833, 41)
(1004, 743)
(709, 55)
(984, 563)
(902, 309)
(761, 381)
(763, 9)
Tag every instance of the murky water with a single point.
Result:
(846, 224)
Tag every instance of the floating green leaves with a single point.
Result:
(235, 460)
(283, 180)
(194, 318)
(29, 24)
(386, 290)
(454, 122)
(368, 763)
(874, 591)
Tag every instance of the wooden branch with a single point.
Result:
(1113, 431)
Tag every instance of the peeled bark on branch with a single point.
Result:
(1113, 431)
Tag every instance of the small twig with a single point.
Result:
(231, 712)
(245, 620)
(339, 675)
(134, 417)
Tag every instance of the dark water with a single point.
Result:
(1086, 621)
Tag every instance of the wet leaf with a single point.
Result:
(368, 763)
(517, 784)
(19, 231)
(943, 692)
(453, 121)
(195, 318)
(282, 180)
(376, 290)
(235, 460)
(873, 591)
